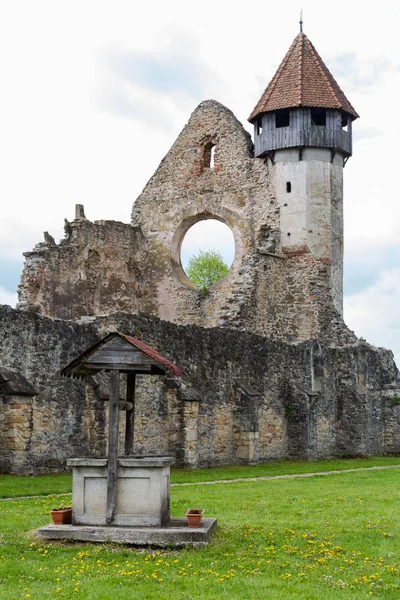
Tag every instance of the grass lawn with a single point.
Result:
(287, 467)
(305, 539)
(12, 486)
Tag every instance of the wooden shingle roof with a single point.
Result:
(302, 80)
(123, 353)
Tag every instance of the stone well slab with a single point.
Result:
(175, 533)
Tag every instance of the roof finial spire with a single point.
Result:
(301, 21)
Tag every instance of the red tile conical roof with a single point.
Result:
(302, 79)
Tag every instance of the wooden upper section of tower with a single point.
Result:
(302, 80)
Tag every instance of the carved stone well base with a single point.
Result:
(142, 515)
(143, 491)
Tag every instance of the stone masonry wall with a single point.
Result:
(244, 398)
(96, 269)
(55, 422)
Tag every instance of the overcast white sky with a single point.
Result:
(93, 94)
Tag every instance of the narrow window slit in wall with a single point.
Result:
(208, 155)
(288, 187)
(212, 157)
(259, 126)
(317, 368)
(345, 123)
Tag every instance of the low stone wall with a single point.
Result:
(244, 398)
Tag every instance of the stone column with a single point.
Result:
(15, 433)
(183, 410)
(174, 425)
(190, 433)
(247, 422)
(245, 445)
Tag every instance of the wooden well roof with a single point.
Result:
(302, 80)
(123, 353)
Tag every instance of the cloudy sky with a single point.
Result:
(95, 93)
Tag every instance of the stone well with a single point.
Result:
(143, 491)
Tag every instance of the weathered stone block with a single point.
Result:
(245, 452)
(191, 436)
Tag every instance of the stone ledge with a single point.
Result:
(175, 533)
(147, 461)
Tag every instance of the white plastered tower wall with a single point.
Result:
(303, 124)
(309, 193)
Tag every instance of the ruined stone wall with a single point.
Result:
(96, 269)
(275, 287)
(244, 398)
(185, 190)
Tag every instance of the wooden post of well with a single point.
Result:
(112, 462)
(130, 414)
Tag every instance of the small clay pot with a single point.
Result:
(194, 516)
(62, 516)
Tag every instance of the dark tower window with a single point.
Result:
(288, 187)
(345, 122)
(282, 118)
(318, 117)
(259, 126)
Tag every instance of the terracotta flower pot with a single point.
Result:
(194, 516)
(62, 516)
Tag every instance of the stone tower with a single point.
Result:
(302, 122)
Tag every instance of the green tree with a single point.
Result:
(206, 268)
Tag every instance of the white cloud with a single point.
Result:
(362, 75)
(375, 313)
(371, 198)
(7, 297)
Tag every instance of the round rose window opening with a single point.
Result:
(207, 252)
